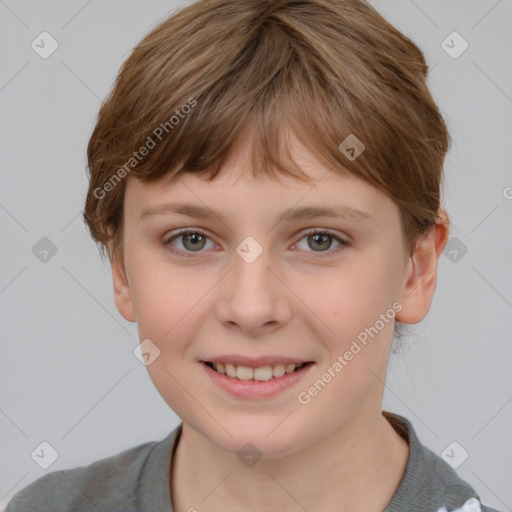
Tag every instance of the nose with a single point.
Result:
(253, 297)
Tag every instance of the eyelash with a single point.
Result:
(190, 254)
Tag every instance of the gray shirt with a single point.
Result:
(138, 479)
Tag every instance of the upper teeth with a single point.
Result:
(261, 373)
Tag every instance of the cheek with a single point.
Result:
(164, 300)
(348, 300)
(168, 305)
(357, 340)
(172, 304)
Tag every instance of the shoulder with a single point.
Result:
(455, 490)
(457, 494)
(110, 482)
(430, 484)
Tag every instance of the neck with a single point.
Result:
(334, 474)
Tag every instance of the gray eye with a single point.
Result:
(193, 241)
(320, 241)
(190, 241)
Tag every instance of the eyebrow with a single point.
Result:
(293, 213)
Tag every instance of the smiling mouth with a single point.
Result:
(261, 373)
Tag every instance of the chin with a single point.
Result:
(264, 436)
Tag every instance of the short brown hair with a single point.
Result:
(326, 69)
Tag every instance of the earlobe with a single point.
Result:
(421, 276)
(122, 292)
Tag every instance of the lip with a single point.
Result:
(252, 389)
(254, 362)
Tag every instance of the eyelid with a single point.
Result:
(344, 242)
(311, 231)
(186, 231)
(182, 232)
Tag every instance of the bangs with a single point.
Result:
(288, 99)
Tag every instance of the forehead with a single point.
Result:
(246, 201)
(236, 190)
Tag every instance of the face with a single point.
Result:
(253, 284)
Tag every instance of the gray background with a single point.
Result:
(68, 374)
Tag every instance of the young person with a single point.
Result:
(265, 177)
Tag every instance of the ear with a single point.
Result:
(122, 292)
(421, 276)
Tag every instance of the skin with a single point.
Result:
(289, 302)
